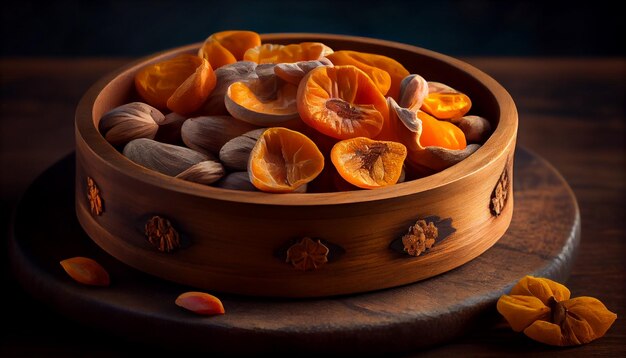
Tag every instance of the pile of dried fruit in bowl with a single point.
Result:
(291, 118)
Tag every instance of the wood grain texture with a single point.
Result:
(584, 142)
(232, 234)
(384, 321)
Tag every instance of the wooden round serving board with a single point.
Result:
(541, 241)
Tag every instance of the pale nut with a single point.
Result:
(225, 76)
(130, 121)
(237, 181)
(294, 72)
(207, 172)
(413, 91)
(236, 152)
(208, 134)
(476, 129)
(169, 129)
(164, 158)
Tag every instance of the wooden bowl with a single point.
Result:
(238, 242)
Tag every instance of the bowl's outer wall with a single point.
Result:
(232, 240)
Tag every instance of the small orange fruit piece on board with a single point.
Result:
(368, 163)
(386, 72)
(192, 93)
(216, 54)
(157, 82)
(283, 160)
(86, 271)
(237, 42)
(200, 303)
(341, 102)
(274, 53)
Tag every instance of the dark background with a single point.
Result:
(458, 28)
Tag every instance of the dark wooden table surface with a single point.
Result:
(572, 112)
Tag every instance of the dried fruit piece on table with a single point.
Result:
(208, 134)
(543, 310)
(86, 271)
(294, 72)
(386, 72)
(200, 303)
(130, 121)
(283, 160)
(164, 158)
(207, 172)
(368, 163)
(157, 82)
(444, 102)
(236, 152)
(264, 101)
(236, 42)
(274, 53)
(225, 76)
(341, 102)
(192, 93)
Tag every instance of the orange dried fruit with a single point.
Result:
(341, 102)
(386, 72)
(200, 303)
(192, 93)
(86, 271)
(368, 163)
(157, 82)
(444, 102)
(216, 54)
(274, 53)
(283, 160)
(264, 101)
(237, 42)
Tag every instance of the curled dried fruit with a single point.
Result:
(200, 303)
(192, 93)
(444, 102)
(86, 271)
(543, 310)
(236, 42)
(368, 163)
(341, 102)
(157, 82)
(386, 72)
(273, 53)
(130, 121)
(217, 55)
(264, 101)
(283, 160)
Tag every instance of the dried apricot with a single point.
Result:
(157, 82)
(216, 54)
(444, 102)
(86, 271)
(368, 163)
(237, 42)
(273, 53)
(264, 101)
(200, 303)
(283, 160)
(341, 102)
(192, 93)
(386, 72)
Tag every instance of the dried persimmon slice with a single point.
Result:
(274, 53)
(341, 102)
(237, 42)
(444, 102)
(157, 82)
(368, 163)
(283, 160)
(192, 93)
